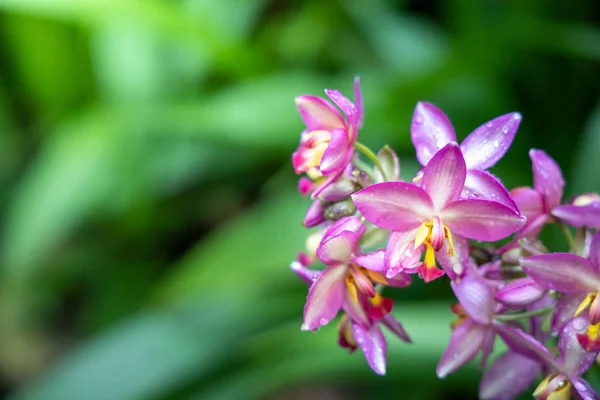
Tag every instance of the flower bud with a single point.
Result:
(339, 190)
(340, 209)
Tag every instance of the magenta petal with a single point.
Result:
(344, 104)
(325, 297)
(584, 389)
(335, 156)
(481, 219)
(307, 275)
(397, 206)
(573, 357)
(466, 340)
(477, 298)
(350, 224)
(529, 201)
(488, 143)
(482, 184)
(565, 309)
(315, 214)
(563, 272)
(318, 113)
(457, 265)
(444, 176)
(520, 293)
(547, 178)
(508, 376)
(373, 345)
(595, 251)
(430, 130)
(356, 311)
(400, 252)
(532, 227)
(337, 249)
(373, 261)
(399, 280)
(396, 327)
(526, 345)
(338, 190)
(578, 216)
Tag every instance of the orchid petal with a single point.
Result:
(477, 298)
(307, 275)
(337, 249)
(509, 375)
(397, 206)
(547, 178)
(430, 130)
(563, 272)
(372, 343)
(400, 252)
(489, 142)
(371, 261)
(520, 293)
(482, 184)
(526, 345)
(458, 264)
(324, 184)
(564, 311)
(578, 216)
(573, 357)
(532, 227)
(529, 201)
(396, 328)
(399, 280)
(339, 190)
(444, 176)
(481, 219)
(344, 104)
(466, 340)
(584, 389)
(356, 311)
(335, 156)
(594, 256)
(325, 297)
(350, 224)
(318, 113)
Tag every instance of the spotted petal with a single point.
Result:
(488, 143)
(430, 130)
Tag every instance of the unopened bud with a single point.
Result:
(339, 190)
(340, 209)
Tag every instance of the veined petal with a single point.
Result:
(489, 142)
(578, 216)
(337, 249)
(466, 340)
(547, 178)
(481, 219)
(483, 185)
(573, 357)
(529, 201)
(396, 327)
(335, 156)
(371, 261)
(444, 176)
(400, 252)
(564, 311)
(526, 345)
(520, 293)
(325, 297)
(509, 375)
(584, 389)
(372, 343)
(318, 113)
(397, 206)
(563, 272)
(430, 130)
(476, 297)
(350, 224)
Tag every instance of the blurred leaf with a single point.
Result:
(587, 162)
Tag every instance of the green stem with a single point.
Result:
(568, 235)
(369, 153)
(526, 314)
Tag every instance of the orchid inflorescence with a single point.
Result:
(544, 306)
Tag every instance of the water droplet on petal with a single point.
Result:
(496, 144)
(419, 119)
(517, 117)
(315, 276)
(580, 386)
(505, 129)
(323, 321)
(579, 324)
(489, 124)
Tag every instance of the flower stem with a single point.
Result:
(369, 153)
(568, 235)
(526, 314)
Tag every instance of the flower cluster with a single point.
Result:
(375, 230)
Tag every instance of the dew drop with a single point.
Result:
(580, 386)
(579, 324)
(489, 124)
(419, 119)
(322, 321)
(517, 117)
(315, 276)
(505, 129)
(496, 144)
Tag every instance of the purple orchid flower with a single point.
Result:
(347, 282)
(476, 328)
(537, 203)
(583, 211)
(326, 146)
(353, 334)
(564, 381)
(431, 130)
(424, 218)
(577, 277)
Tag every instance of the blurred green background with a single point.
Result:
(148, 204)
